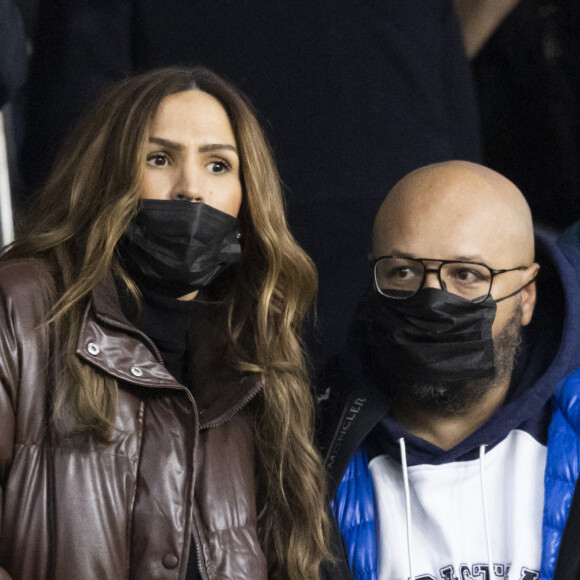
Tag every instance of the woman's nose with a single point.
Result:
(188, 185)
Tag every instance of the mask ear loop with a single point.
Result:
(517, 291)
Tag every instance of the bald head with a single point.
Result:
(456, 210)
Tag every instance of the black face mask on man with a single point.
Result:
(175, 247)
(437, 353)
(431, 336)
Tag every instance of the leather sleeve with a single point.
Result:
(8, 382)
(8, 395)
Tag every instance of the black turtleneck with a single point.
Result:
(166, 321)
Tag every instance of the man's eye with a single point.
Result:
(464, 274)
(469, 275)
(218, 166)
(157, 160)
(403, 272)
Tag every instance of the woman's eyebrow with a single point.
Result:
(214, 147)
(202, 148)
(166, 143)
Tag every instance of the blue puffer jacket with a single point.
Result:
(554, 381)
(354, 503)
(562, 469)
(354, 509)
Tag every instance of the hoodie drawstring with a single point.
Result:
(407, 504)
(405, 472)
(485, 520)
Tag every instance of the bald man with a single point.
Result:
(451, 428)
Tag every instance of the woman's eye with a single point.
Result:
(157, 160)
(218, 166)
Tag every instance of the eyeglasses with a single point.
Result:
(403, 277)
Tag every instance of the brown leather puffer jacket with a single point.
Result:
(181, 468)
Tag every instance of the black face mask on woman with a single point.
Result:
(175, 247)
(432, 336)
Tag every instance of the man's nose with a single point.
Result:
(432, 279)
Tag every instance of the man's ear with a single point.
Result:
(529, 294)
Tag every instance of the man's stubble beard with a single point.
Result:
(452, 398)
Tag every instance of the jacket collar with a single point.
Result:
(109, 342)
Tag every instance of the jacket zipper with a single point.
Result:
(256, 389)
(193, 533)
(234, 410)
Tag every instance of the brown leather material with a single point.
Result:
(129, 509)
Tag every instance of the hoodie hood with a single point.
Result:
(550, 351)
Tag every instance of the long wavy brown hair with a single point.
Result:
(86, 205)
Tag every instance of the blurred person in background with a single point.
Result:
(526, 64)
(12, 51)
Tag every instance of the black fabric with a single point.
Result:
(354, 403)
(353, 96)
(192, 567)
(431, 336)
(166, 321)
(176, 247)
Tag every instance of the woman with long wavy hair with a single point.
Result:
(155, 415)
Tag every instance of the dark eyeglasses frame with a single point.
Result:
(426, 271)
